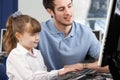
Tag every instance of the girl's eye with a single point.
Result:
(34, 34)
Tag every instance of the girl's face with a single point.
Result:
(29, 40)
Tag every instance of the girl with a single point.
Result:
(24, 62)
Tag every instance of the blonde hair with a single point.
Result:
(17, 24)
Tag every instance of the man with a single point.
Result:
(64, 41)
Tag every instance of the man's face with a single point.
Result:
(63, 12)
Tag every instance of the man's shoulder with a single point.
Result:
(79, 25)
(49, 21)
(46, 24)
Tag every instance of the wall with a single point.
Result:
(33, 8)
(7, 7)
(36, 9)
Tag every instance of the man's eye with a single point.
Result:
(70, 6)
(61, 9)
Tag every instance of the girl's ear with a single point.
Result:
(50, 12)
(18, 36)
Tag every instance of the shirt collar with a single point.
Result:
(54, 31)
(25, 51)
(52, 28)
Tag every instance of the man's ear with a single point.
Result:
(50, 12)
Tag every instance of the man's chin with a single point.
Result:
(68, 24)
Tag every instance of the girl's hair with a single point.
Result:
(17, 24)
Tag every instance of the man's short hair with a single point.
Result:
(49, 4)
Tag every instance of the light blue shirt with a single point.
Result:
(59, 50)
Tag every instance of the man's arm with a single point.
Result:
(94, 65)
